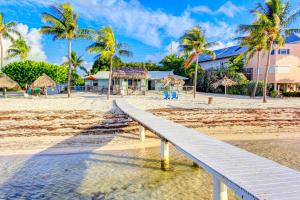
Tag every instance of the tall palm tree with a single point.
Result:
(77, 62)
(193, 44)
(62, 24)
(274, 17)
(106, 45)
(256, 43)
(6, 32)
(18, 48)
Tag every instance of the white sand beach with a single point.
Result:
(88, 122)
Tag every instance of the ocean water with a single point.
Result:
(128, 174)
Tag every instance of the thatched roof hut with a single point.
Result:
(44, 81)
(6, 82)
(173, 80)
(130, 73)
(226, 82)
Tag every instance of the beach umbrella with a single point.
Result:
(44, 81)
(90, 78)
(6, 82)
(172, 80)
(226, 82)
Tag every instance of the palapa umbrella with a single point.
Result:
(224, 82)
(172, 80)
(6, 82)
(44, 81)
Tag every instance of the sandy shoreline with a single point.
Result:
(87, 123)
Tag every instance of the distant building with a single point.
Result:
(285, 64)
(129, 80)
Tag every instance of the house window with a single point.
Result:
(273, 52)
(130, 82)
(283, 51)
(95, 83)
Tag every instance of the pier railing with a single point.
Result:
(250, 176)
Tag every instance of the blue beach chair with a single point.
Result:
(174, 95)
(166, 95)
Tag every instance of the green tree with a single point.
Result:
(193, 44)
(235, 65)
(62, 24)
(256, 42)
(102, 64)
(18, 48)
(6, 31)
(106, 46)
(149, 65)
(28, 71)
(273, 17)
(77, 62)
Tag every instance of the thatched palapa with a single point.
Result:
(226, 82)
(6, 82)
(173, 80)
(44, 81)
(130, 73)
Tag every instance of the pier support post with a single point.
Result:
(142, 133)
(220, 190)
(164, 155)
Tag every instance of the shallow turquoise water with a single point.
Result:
(130, 174)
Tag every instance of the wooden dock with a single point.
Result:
(249, 175)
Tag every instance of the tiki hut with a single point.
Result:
(6, 82)
(172, 80)
(44, 82)
(129, 80)
(226, 82)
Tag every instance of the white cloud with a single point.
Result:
(131, 18)
(222, 45)
(219, 30)
(33, 39)
(229, 9)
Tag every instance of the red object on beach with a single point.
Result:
(91, 78)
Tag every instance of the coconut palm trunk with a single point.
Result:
(195, 76)
(70, 66)
(257, 75)
(110, 76)
(267, 73)
(1, 47)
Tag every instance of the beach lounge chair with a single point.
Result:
(174, 95)
(166, 95)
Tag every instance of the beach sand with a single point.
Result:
(89, 122)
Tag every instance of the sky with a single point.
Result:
(149, 27)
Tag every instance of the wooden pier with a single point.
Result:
(250, 176)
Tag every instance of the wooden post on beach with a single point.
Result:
(142, 133)
(164, 155)
(220, 190)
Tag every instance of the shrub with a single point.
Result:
(28, 71)
(291, 94)
(273, 93)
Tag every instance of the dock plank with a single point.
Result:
(249, 175)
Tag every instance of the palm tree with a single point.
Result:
(106, 46)
(193, 44)
(77, 62)
(18, 48)
(256, 42)
(62, 24)
(273, 17)
(6, 32)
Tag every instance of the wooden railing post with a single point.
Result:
(142, 133)
(164, 154)
(220, 190)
